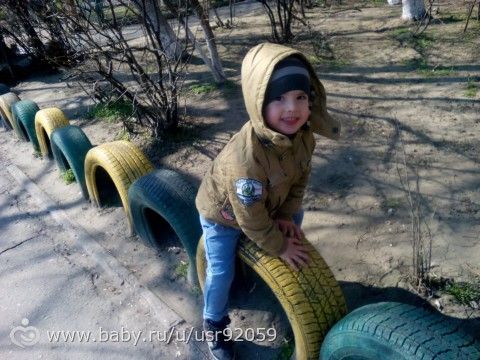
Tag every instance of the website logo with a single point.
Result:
(25, 335)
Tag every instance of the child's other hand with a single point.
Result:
(289, 229)
(295, 254)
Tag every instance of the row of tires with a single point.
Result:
(158, 200)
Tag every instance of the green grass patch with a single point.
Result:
(68, 176)
(123, 14)
(400, 32)
(423, 41)
(376, 3)
(406, 36)
(181, 270)
(196, 290)
(286, 350)
(438, 71)
(449, 18)
(228, 86)
(464, 292)
(123, 135)
(111, 112)
(421, 67)
(472, 34)
(471, 89)
(203, 88)
(314, 60)
(392, 203)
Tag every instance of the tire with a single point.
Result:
(47, 120)
(6, 102)
(122, 163)
(23, 114)
(70, 146)
(4, 89)
(311, 297)
(171, 197)
(390, 330)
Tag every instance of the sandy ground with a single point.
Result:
(60, 300)
(357, 212)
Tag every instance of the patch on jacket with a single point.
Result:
(227, 212)
(248, 191)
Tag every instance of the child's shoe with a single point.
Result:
(220, 347)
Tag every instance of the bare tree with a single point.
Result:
(215, 62)
(22, 27)
(151, 12)
(281, 14)
(133, 69)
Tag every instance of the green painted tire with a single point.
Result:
(70, 146)
(166, 196)
(23, 114)
(390, 330)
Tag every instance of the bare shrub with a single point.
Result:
(281, 14)
(142, 65)
(421, 236)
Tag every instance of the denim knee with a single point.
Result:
(298, 217)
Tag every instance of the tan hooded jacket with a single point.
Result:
(261, 175)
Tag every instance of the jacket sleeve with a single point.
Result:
(293, 202)
(251, 213)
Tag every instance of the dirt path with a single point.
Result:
(64, 301)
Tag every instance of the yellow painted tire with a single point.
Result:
(6, 102)
(123, 162)
(47, 120)
(311, 298)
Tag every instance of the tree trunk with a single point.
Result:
(232, 11)
(413, 9)
(216, 64)
(218, 19)
(3, 51)
(172, 46)
(191, 36)
(21, 12)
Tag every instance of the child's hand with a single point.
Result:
(295, 254)
(289, 229)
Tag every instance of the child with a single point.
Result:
(256, 184)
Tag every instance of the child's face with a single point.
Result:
(288, 113)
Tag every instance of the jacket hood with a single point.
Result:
(257, 68)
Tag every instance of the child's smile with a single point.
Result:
(288, 113)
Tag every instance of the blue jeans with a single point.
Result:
(220, 249)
